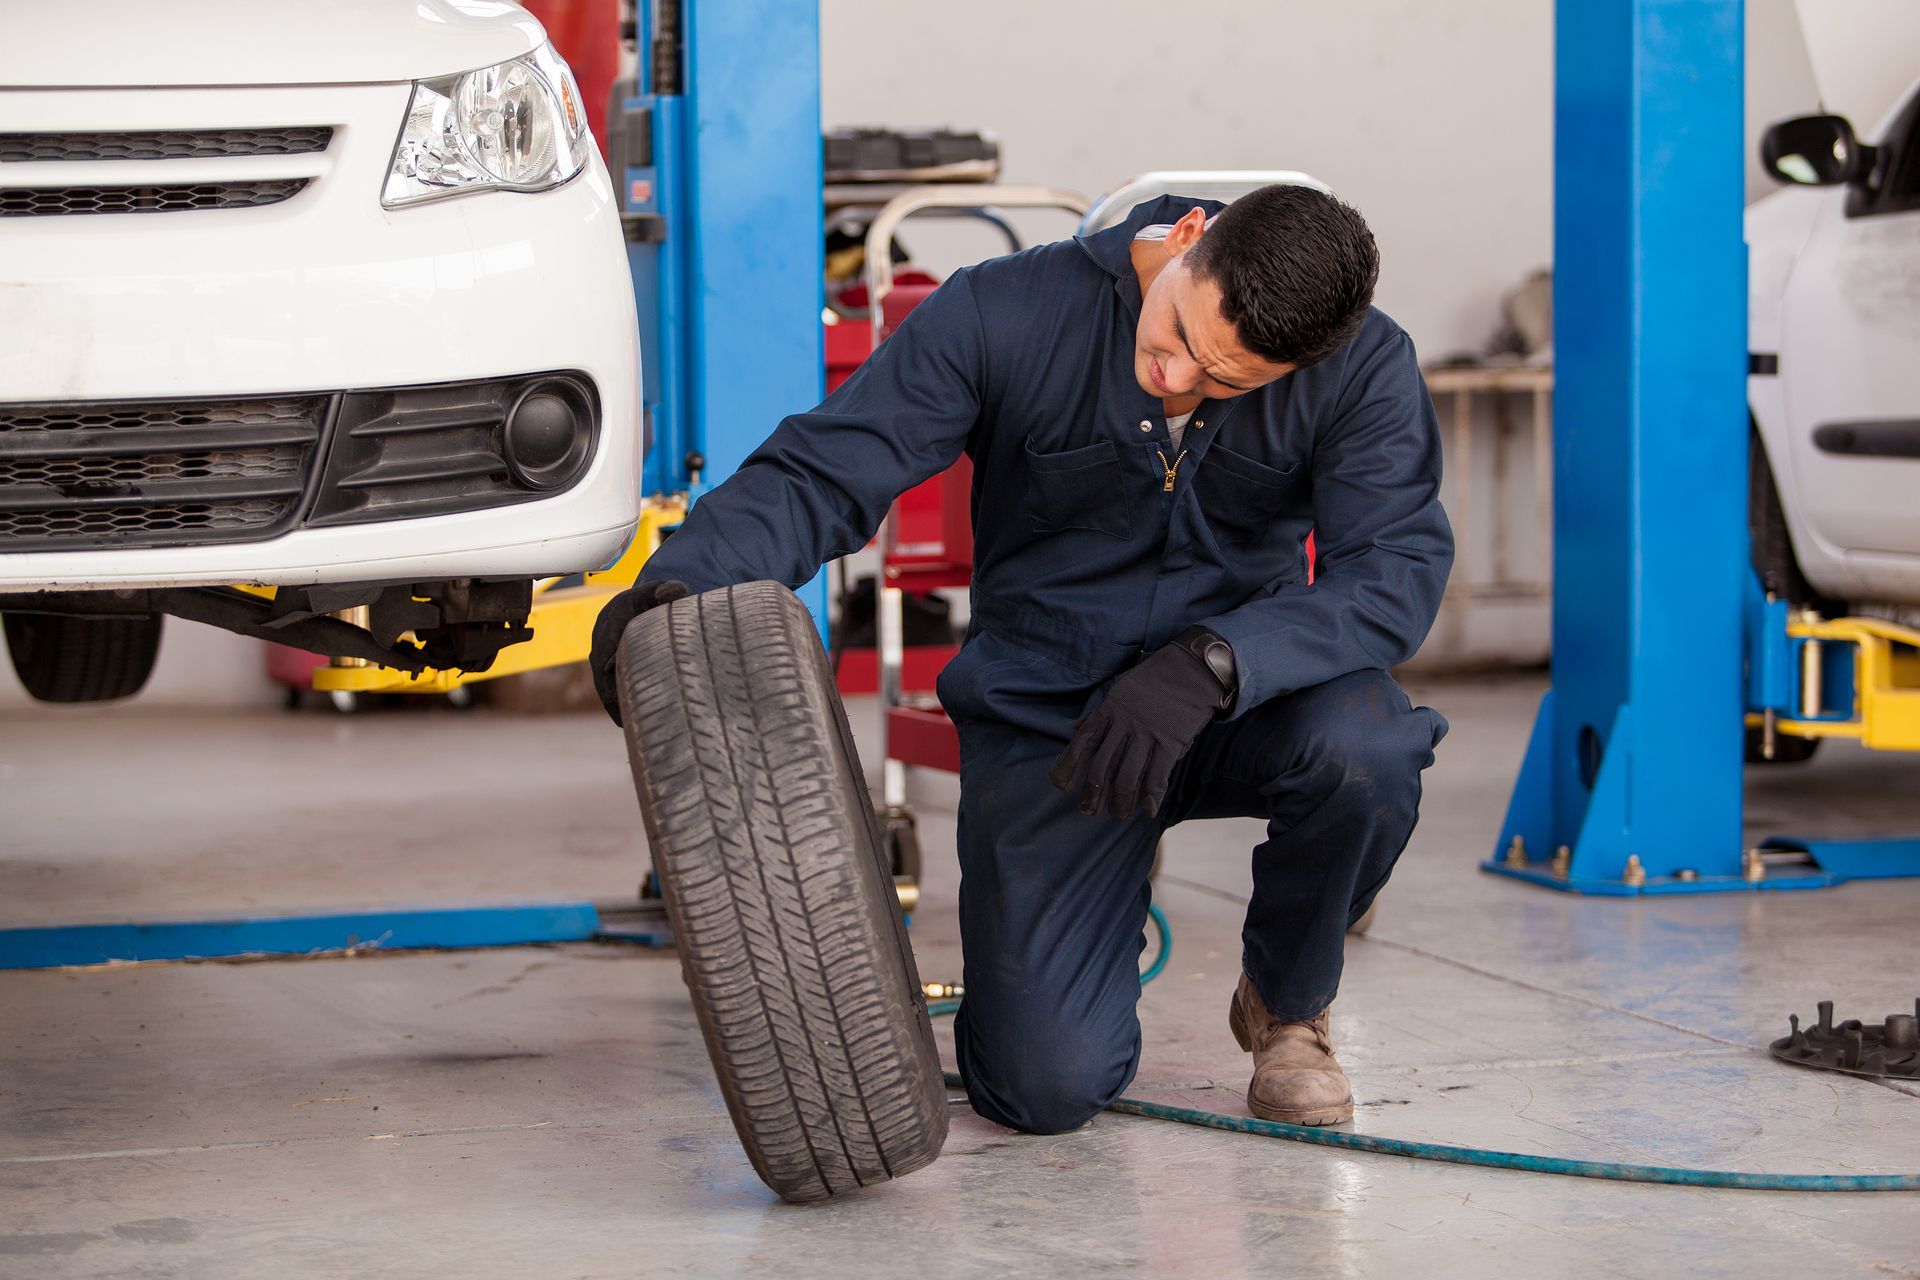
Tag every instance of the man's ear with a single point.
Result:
(1186, 233)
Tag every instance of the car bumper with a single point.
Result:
(319, 293)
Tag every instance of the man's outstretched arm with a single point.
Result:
(820, 485)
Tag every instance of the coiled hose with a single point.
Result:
(1470, 1155)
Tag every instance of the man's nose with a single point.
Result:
(1183, 374)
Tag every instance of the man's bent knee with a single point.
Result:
(1367, 735)
(1045, 1082)
(1041, 1102)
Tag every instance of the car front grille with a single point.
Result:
(172, 144)
(152, 474)
(146, 179)
(67, 528)
(29, 202)
(87, 475)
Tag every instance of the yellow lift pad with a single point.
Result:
(1886, 682)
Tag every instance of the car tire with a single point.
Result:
(1779, 572)
(1771, 545)
(91, 659)
(772, 865)
(1787, 749)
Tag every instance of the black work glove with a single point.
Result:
(612, 624)
(1123, 751)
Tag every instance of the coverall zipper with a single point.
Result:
(1173, 472)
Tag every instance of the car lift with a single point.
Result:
(1632, 781)
(716, 153)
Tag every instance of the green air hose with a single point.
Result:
(1472, 1155)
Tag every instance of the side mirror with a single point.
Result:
(1815, 151)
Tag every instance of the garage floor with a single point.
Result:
(549, 1111)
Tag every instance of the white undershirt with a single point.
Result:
(1177, 427)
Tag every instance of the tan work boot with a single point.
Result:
(1295, 1077)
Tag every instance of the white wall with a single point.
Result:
(1434, 117)
(1780, 80)
(1864, 53)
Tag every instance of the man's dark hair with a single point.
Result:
(1296, 269)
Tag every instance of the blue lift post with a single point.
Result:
(1633, 773)
(730, 298)
(1633, 778)
(728, 277)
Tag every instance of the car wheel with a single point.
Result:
(92, 659)
(1779, 572)
(1787, 749)
(773, 868)
(1771, 545)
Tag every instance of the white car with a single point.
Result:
(328, 297)
(1834, 331)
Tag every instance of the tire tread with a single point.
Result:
(764, 839)
(82, 659)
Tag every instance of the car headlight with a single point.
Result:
(515, 126)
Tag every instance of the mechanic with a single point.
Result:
(1157, 414)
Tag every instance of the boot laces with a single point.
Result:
(1265, 1036)
(1315, 1027)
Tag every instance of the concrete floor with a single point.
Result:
(550, 1112)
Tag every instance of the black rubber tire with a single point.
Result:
(1778, 568)
(773, 868)
(1770, 545)
(66, 659)
(1787, 749)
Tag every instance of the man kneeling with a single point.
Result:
(1158, 415)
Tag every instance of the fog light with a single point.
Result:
(549, 433)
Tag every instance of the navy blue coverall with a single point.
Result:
(1087, 558)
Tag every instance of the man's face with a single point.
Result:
(1183, 345)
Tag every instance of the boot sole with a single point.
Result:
(1308, 1119)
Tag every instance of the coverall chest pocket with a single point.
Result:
(1245, 501)
(1078, 489)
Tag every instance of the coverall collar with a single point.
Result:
(1112, 248)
